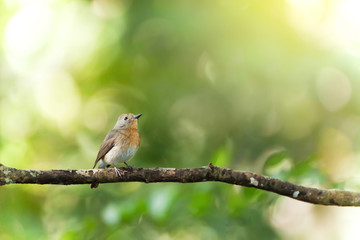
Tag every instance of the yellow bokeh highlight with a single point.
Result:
(57, 96)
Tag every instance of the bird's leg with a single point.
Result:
(128, 166)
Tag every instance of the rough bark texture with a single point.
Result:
(187, 175)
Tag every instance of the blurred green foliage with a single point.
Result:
(263, 86)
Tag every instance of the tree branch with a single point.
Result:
(186, 175)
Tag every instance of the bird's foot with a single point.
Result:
(118, 171)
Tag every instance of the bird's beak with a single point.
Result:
(137, 116)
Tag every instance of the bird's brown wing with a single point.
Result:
(108, 144)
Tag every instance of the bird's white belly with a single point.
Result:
(117, 155)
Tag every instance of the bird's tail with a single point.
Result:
(102, 165)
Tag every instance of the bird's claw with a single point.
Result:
(117, 171)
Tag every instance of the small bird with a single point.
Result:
(120, 144)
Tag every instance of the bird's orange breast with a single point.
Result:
(134, 138)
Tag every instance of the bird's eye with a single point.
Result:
(126, 118)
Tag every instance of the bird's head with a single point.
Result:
(127, 121)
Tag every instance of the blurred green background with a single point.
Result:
(262, 86)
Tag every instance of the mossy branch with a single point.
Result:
(186, 175)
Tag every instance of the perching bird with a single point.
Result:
(120, 144)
